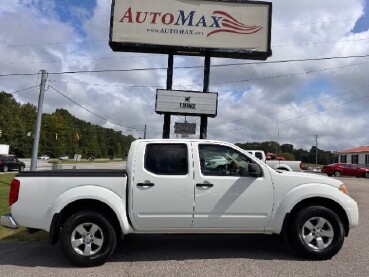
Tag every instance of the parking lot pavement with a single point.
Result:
(201, 255)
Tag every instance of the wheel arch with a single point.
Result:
(317, 201)
(82, 205)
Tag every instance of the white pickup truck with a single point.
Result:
(171, 186)
(277, 164)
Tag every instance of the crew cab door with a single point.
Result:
(226, 196)
(162, 187)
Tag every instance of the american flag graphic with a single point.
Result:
(232, 25)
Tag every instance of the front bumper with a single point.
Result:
(8, 221)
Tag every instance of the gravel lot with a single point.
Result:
(200, 255)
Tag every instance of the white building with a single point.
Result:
(358, 155)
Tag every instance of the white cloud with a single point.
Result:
(252, 107)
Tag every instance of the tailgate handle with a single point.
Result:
(145, 184)
(207, 185)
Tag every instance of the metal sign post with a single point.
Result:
(166, 125)
(204, 118)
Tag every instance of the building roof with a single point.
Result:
(360, 149)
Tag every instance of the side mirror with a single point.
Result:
(254, 170)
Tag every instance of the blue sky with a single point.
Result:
(72, 35)
(362, 24)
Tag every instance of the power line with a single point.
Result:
(104, 40)
(92, 59)
(287, 75)
(20, 90)
(316, 22)
(319, 42)
(142, 56)
(224, 82)
(105, 85)
(95, 114)
(52, 43)
(298, 117)
(306, 104)
(190, 67)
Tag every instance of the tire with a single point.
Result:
(337, 173)
(88, 239)
(366, 175)
(21, 168)
(330, 174)
(5, 168)
(317, 233)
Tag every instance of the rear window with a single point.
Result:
(166, 159)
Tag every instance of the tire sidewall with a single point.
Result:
(109, 238)
(337, 173)
(299, 244)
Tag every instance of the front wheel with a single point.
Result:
(317, 233)
(5, 168)
(88, 239)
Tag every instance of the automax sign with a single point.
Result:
(186, 102)
(223, 28)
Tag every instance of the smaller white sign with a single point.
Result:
(185, 128)
(182, 102)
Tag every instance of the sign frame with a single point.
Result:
(186, 112)
(220, 52)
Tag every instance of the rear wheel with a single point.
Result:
(367, 175)
(5, 168)
(317, 233)
(21, 168)
(88, 239)
(337, 173)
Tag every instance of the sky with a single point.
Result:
(287, 102)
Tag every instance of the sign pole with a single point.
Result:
(204, 118)
(166, 125)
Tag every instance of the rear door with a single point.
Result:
(162, 187)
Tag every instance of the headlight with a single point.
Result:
(343, 189)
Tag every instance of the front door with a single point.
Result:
(226, 196)
(162, 187)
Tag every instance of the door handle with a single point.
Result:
(208, 185)
(145, 184)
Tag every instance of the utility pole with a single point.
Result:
(316, 150)
(36, 140)
(145, 131)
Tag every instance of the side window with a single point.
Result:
(218, 160)
(258, 155)
(166, 159)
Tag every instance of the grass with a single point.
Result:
(20, 234)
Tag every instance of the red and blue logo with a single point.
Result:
(218, 22)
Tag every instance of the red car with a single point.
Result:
(339, 169)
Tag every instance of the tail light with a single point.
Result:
(301, 165)
(1, 162)
(14, 191)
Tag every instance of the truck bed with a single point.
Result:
(75, 173)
